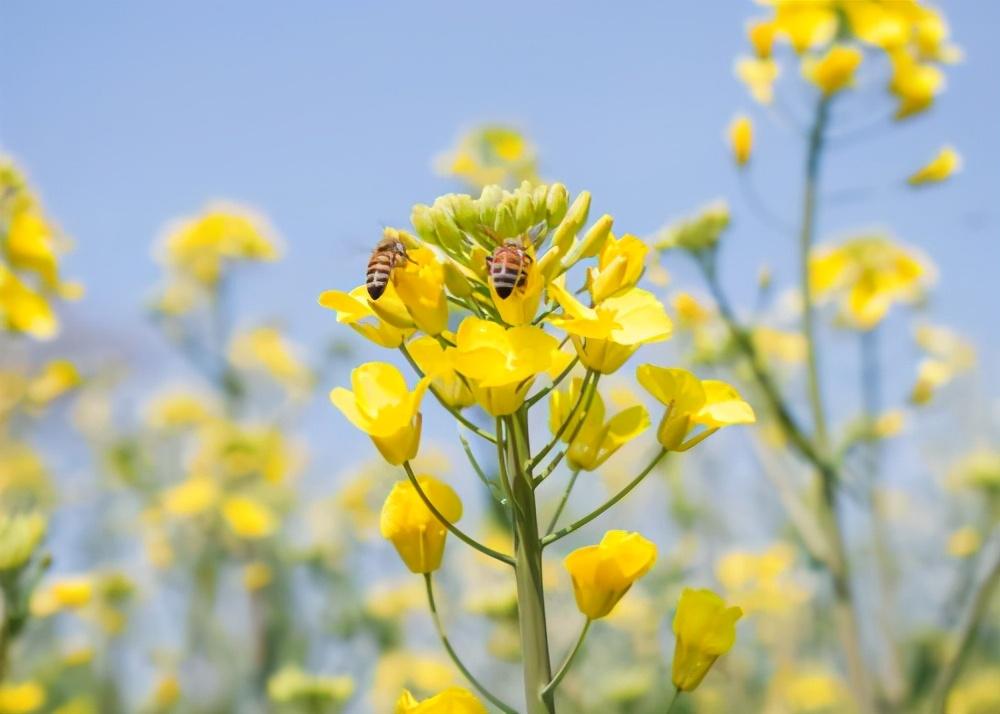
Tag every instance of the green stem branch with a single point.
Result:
(562, 502)
(564, 668)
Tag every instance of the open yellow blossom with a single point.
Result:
(596, 440)
(605, 336)
(437, 363)
(453, 700)
(202, 246)
(868, 275)
(915, 84)
(22, 698)
(620, 264)
(740, 134)
(419, 283)
(389, 326)
(248, 517)
(691, 402)
(414, 530)
(833, 71)
(68, 593)
(382, 407)
(944, 164)
(759, 75)
(603, 573)
(805, 23)
(501, 363)
(705, 629)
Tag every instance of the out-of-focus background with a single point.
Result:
(326, 118)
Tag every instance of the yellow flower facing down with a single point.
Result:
(453, 700)
(603, 573)
(383, 407)
(605, 336)
(691, 402)
(22, 309)
(914, 83)
(22, 698)
(945, 163)
(249, 518)
(833, 71)
(740, 135)
(620, 264)
(596, 439)
(705, 629)
(501, 363)
(437, 363)
(414, 530)
(761, 35)
(419, 283)
(387, 326)
(759, 75)
(868, 275)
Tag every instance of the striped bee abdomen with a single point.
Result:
(508, 268)
(380, 266)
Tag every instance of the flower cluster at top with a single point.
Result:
(30, 248)
(831, 39)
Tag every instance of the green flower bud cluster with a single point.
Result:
(697, 233)
(20, 536)
(292, 686)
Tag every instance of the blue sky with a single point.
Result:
(326, 117)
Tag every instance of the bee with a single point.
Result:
(508, 267)
(389, 253)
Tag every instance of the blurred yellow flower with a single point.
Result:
(705, 629)
(437, 363)
(501, 363)
(603, 573)
(811, 689)
(759, 75)
(248, 517)
(257, 575)
(620, 265)
(805, 23)
(976, 694)
(419, 283)
(178, 409)
(195, 495)
(761, 35)
(451, 701)
(868, 275)
(944, 165)
(21, 698)
(833, 71)
(761, 582)
(490, 154)
(22, 309)
(596, 440)
(166, 691)
(67, 593)
(416, 532)
(55, 379)
(388, 327)
(383, 407)
(979, 470)
(266, 349)
(780, 345)
(691, 402)
(20, 535)
(740, 135)
(605, 336)
(964, 542)
(690, 312)
(403, 669)
(915, 84)
(932, 374)
(291, 685)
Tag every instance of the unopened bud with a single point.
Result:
(556, 204)
(572, 222)
(595, 237)
(505, 223)
(423, 223)
(448, 233)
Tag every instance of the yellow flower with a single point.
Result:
(619, 267)
(931, 37)
(691, 402)
(964, 542)
(454, 700)
(266, 349)
(291, 685)
(932, 374)
(833, 71)
(869, 274)
(249, 518)
(416, 532)
(22, 309)
(490, 154)
(761, 36)
(914, 83)
(603, 573)
(419, 283)
(741, 139)
(811, 690)
(202, 246)
(944, 164)
(877, 23)
(180, 409)
(705, 629)
(596, 439)
(257, 575)
(438, 364)
(690, 312)
(759, 75)
(388, 326)
(21, 698)
(382, 407)
(605, 336)
(69, 593)
(56, 378)
(30, 246)
(501, 363)
(520, 307)
(398, 669)
(167, 691)
(805, 23)
(976, 694)
(195, 495)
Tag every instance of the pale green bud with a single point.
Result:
(572, 222)
(595, 238)
(505, 224)
(464, 210)
(489, 200)
(423, 223)
(449, 235)
(19, 537)
(455, 280)
(697, 233)
(538, 198)
(524, 211)
(556, 204)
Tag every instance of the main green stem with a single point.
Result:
(528, 572)
(845, 613)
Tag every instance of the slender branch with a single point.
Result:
(467, 447)
(978, 608)
(454, 656)
(576, 525)
(562, 502)
(589, 383)
(458, 533)
(451, 410)
(673, 700)
(564, 668)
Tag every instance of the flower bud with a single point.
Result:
(456, 281)
(448, 233)
(572, 222)
(538, 200)
(595, 237)
(741, 139)
(556, 204)
(464, 210)
(505, 224)
(423, 223)
(489, 200)
(697, 233)
(524, 211)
